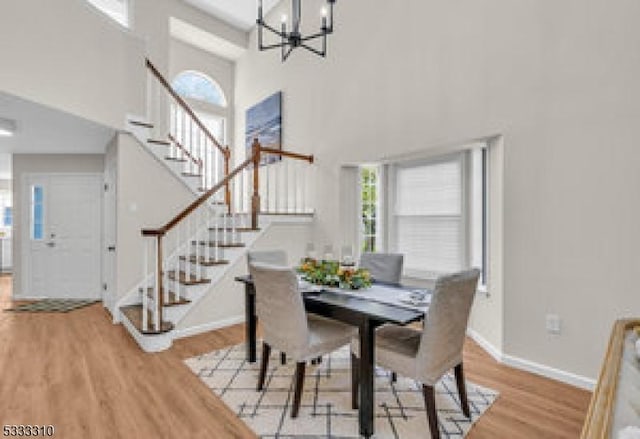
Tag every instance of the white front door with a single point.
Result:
(109, 236)
(63, 235)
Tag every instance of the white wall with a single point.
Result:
(557, 79)
(67, 55)
(225, 301)
(149, 196)
(41, 163)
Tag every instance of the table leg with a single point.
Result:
(367, 366)
(251, 326)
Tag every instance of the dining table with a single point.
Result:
(366, 309)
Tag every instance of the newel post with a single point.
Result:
(255, 199)
(227, 170)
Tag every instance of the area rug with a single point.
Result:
(326, 411)
(52, 305)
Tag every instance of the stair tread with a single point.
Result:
(159, 142)
(237, 229)
(134, 314)
(221, 244)
(205, 262)
(141, 124)
(173, 299)
(192, 280)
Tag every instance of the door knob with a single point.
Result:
(51, 244)
(111, 248)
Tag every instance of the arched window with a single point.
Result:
(198, 86)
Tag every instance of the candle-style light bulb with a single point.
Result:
(324, 13)
(283, 19)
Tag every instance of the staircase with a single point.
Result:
(187, 257)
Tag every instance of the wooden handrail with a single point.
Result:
(184, 150)
(292, 155)
(183, 104)
(197, 203)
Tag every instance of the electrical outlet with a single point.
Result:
(553, 324)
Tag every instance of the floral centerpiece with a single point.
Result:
(330, 273)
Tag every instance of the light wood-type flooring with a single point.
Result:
(89, 379)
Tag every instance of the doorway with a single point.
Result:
(62, 235)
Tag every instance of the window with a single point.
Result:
(7, 216)
(438, 213)
(37, 213)
(116, 9)
(428, 216)
(369, 205)
(195, 85)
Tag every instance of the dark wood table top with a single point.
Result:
(334, 302)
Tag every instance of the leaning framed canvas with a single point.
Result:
(264, 122)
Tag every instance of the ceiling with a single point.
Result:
(42, 130)
(239, 13)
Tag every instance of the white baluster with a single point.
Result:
(156, 291)
(234, 210)
(165, 271)
(176, 282)
(216, 238)
(145, 292)
(303, 185)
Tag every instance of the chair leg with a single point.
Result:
(297, 393)
(429, 395)
(462, 390)
(264, 363)
(283, 358)
(355, 380)
(394, 377)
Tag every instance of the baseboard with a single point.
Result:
(484, 344)
(206, 327)
(531, 366)
(550, 372)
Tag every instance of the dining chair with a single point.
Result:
(426, 355)
(384, 267)
(286, 327)
(272, 257)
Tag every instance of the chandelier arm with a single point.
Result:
(286, 55)
(273, 30)
(274, 46)
(314, 36)
(314, 50)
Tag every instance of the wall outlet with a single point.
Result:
(553, 324)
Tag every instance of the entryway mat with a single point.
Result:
(52, 305)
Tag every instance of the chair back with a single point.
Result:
(384, 267)
(279, 307)
(271, 257)
(446, 324)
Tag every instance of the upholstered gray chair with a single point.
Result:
(271, 257)
(426, 355)
(286, 327)
(384, 267)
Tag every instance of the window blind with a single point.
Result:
(428, 216)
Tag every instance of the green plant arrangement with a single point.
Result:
(330, 273)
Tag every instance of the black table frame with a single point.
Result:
(365, 315)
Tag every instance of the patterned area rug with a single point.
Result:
(326, 411)
(52, 305)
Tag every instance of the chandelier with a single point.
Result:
(293, 39)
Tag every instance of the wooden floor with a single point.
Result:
(89, 379)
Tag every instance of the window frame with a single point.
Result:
(128, 17)
(32, 216)
(379, 217)
(220, 107)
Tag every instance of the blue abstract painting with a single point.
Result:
(264, 122)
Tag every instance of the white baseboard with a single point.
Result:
(211, 326)
(531, 366)
(484, 344)
(550, 372)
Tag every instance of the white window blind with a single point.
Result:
(429, 216)
(116, 9)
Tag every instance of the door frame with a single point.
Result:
(25, 227)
